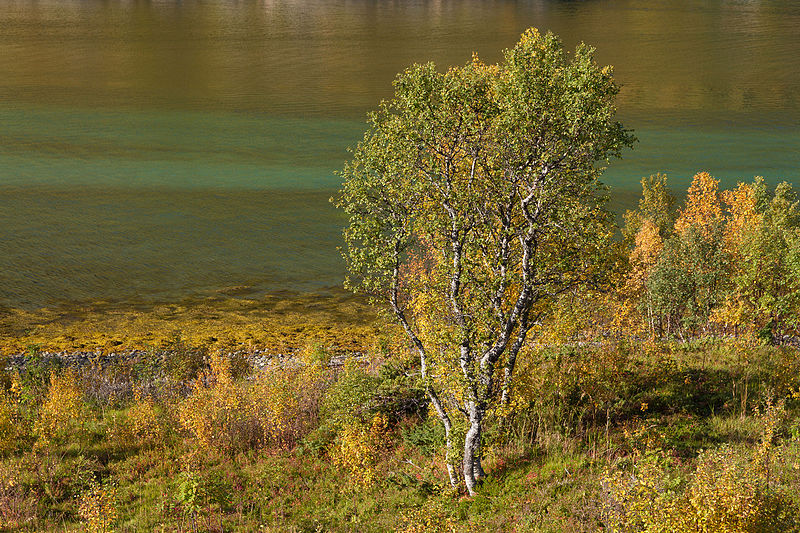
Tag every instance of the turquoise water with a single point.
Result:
(169, 149)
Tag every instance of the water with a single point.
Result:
(166, 149)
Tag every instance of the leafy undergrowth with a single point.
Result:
(702, 437)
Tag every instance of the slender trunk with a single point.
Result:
(445, 420)
(472, 448)
(477, 463)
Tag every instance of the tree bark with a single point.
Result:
(472, 448)
(445, 420)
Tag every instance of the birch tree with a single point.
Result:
(473, 201)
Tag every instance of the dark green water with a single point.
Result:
(166, 149)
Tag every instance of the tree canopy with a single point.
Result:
(473, 201)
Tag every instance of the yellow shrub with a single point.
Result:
(141, 424)
(276, 401)
(97, 508)
(359, 450)
(63, 410)
(145, 425)
(277, 407)
(430, 517)
(728, 492)
(214, 407)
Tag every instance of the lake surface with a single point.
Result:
(167, 149)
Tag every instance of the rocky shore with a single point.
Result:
(258, 359)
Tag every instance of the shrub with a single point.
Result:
(359, 450)
(142, 425)
(729, 491)
(63, 411)
(564, 389)
(198, 501)
(215, 412)
(277, 407)
(97, 507)
(358, 395)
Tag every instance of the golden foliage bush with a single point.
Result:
(63, 410)
(359, 449)
(729, 491)
(214, 414)
(276, 408)
(97, 508)
(142, 425)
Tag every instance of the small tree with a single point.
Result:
(473, 201)
(657, 205)
(764, 238)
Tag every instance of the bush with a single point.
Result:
(63, 412)
(561, 390)
(97, 508)
(277, 408)
(729, 491)
(215, 413)
(358, 395)
(360, 448)
(142, 425)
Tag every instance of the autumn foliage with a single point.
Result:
(727, 264)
